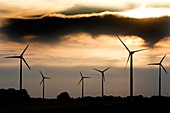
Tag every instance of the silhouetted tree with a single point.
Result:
(25, 94)
(13, 95)
(64, 96)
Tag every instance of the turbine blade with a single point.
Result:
(47, 78)
(97, 70)
(126, 63)
(81, 74)
(24, 50)
(139, 50)
(86, 77)
(41, 81)
(162, 58)
(13, 57)
(26, 64)
(123, 43)
(106, 69)
(80, 81)
(41, 74)
(154, 64)
(164, 69)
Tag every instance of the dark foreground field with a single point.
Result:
(107, 104)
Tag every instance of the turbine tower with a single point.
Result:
(21, 59)
(160, 66)
(103, 78)
(131, 66)
(43, 81)
(82, 81)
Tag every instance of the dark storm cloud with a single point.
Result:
(49, 29)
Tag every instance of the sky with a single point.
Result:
(66, 37)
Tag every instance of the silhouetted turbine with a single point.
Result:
(21, 59)
(160, 65)
(43, 81)
(82, 81)
(103, 78)
(131, 66)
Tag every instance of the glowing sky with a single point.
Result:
(66, 36)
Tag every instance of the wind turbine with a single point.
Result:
(160, 66)
(103, 78)
(21, 59)
(131, 66)
(82, 81)
(43, 81)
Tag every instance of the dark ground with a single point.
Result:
(107, 104)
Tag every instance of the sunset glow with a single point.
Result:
(147, 12)
(66, 37)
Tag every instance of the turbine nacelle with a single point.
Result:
(131, 65)
(160, 64)
(130, 52)
(102, 72)
(43, 77)
(82, 78)
(21, 57)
